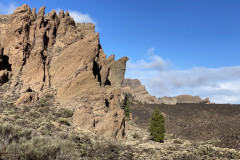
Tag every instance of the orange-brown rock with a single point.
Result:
(27, 98)
(52, 52)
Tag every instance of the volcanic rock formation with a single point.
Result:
(51, 53)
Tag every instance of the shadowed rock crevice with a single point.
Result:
(4, 77)
(4, 62)
(96, 71)
(26, 54)
(5, 67)
(107, 82)
(45, 40)
(29, 90)
(106, 102)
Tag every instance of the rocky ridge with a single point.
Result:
(140, 94)
(183, 99)
(51, 53)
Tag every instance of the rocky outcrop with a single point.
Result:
(53, 53)
(27, 98)
(139, 92)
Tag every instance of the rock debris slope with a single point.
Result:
(51, 53)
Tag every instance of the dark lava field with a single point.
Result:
(196, 122)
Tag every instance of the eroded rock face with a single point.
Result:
(52, 52)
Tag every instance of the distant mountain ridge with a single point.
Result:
(134, 87)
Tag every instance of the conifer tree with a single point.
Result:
(126, 105)
(156, 127)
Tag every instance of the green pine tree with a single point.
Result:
(126, 105)
(156, 128)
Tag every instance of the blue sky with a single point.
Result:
(175, 46)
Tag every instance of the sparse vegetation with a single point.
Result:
(28, 132)
(156, 128)
(44, 131)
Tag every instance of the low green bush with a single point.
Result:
(64, 121)
(64, 113)
(178, 141)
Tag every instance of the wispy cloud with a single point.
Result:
(221, 85)
(79, 17)
(7, 9)
(150, 51)
(152, 62)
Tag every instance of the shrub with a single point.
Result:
(136, 136)
(156, 128)
(46, 100)
(64, 113)
(42, 102)
(34, 114)
(10, 133)
(43, 148)
(178, 141)
(64, 121)
(49, 96)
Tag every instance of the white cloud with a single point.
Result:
(221, 85)
(79, 17)
(150, 51)
(153, 62)
(7, 9)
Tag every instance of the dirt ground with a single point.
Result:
(196, 122)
